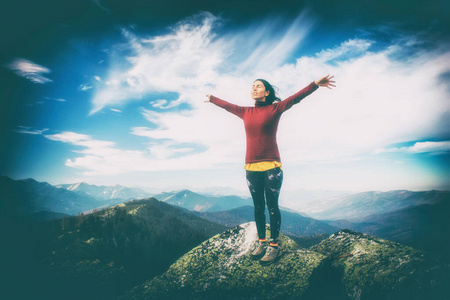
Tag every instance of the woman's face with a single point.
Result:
(258, 91)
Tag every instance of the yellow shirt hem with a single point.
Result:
(262, 166)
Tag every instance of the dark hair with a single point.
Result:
(272, 97)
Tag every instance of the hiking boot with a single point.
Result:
(272, 254)
(259, 251)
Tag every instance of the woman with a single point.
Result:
(262, 160)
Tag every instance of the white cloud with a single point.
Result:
(379, 100)
(105, 158)
(56, 99)
(98, 157)
(30, 70)
(179, 61)
(420, 147)
(30, 130)
(115, 110)
(270, 46)
(85, 87)
(429, 147)
(192, 57)
(348, 49)
(164, 104)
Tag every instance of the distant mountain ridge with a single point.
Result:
(425, 226)
(106, 192)
(221, 191)
(356, 207)
(418, 219)
(201, 203)
(27, 197)
(292, 223)
(325, 205)
(20, 198)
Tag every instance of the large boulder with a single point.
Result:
(221, 268)
(346, 266)
(373, 268)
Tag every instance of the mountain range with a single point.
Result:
(201, 203)
(106, 192)
(356, 207)
(423, 226)
(41, 201)
(417, 219)
(30, 199)
(293, 223)
(127, 248)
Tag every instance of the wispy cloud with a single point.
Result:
(79, 140)
(164, 104)
(180, 61)
(270, 44)
(421, 147)
(98, 157)
(193, 57)
(349, 49)
(85, 87)
(30, 130)
(100, 5)
(56, 99)
(30, 70)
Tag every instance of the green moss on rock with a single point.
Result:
(374, 268)
(347, 265)
(221, 268)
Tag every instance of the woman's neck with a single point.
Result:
(261, 103)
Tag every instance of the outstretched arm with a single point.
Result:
(232, 108)
(297, 97)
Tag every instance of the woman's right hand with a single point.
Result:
(209, 98)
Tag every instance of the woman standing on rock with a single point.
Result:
(262, 160)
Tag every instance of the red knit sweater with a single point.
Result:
(261, 123)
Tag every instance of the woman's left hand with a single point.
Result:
(326, 82)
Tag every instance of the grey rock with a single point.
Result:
(373, 268)
(348, 265)
(221, 268)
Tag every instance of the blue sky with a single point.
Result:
(112, 93)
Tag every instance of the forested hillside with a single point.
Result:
(100, 255)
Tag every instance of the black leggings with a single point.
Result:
(268, 182)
